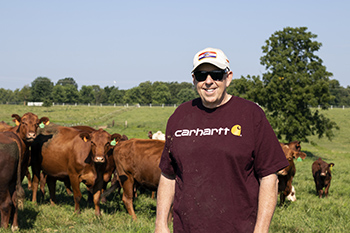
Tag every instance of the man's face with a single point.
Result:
(213, 93)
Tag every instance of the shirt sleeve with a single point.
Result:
(269, 156)
(166, 164)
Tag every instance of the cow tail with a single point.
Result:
(110, 189)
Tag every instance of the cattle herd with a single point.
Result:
(82, 154)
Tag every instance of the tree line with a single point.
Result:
(66, 90)
(295, 80)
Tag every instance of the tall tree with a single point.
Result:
(25, 93)
(41, 89)
(59, 94)
(295, 80)
(249, 88)
(86, 94)
(67, 81)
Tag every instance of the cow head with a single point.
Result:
(102, 144)
(289, 156)
(324, 168)
(28, 124)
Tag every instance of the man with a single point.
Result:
(220, 159)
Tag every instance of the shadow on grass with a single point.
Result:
(143, 204)
(27, 218)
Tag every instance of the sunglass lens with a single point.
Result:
(200, 75)
(216, 75)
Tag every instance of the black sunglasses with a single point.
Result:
(216, 75)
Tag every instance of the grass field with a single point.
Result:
(307, 214)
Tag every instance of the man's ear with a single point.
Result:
(229, 78)
(193, 79)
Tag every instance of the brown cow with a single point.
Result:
(322, 174)
(4, 126)
(11, 191)
(25, 128)
(295, 146)
(286, 175)
(137, 161)
(66, 153)
(14, 157)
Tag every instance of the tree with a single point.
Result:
(25, 93)
(41, 89)
(186, 94)
(67, 81)
(99, 94)
(72, 94)
(86, 94)
(161, 93)
(59, 94)
(294, 81)
(249, 88)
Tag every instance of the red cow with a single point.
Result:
(65, 153)
(295, 146)
(286, 175)
(4, 126)
(137, 162)
(322, 174)
(11, 191)
(14, 158)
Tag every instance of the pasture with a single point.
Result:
(307, 214)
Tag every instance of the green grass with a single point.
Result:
(307, 214)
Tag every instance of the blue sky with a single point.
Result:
(124, 43)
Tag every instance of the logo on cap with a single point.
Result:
(208, 54)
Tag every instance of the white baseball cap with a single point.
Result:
(212, 56)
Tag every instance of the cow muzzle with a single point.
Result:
(30, 136)
(99, 159)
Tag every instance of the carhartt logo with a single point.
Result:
(236, 130)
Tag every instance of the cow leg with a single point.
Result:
(51, 183)
(42, 185)
(14, 212)
(76, 192)
(326, 189)
(97, 197)
(128, 194)
(5, 208)
(68, 186)
(35, 184)
(29, 178)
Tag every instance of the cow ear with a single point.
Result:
(44, 120)
(115, 138)
(17, 119)
(85, 136)
(331, 164)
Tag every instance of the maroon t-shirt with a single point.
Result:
(217, 156)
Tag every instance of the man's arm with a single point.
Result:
(267, 202)
(165, 197)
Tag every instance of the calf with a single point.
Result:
(295, 146)
(73, 155)
(137, 162)
(286, 175)
(322, 174)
